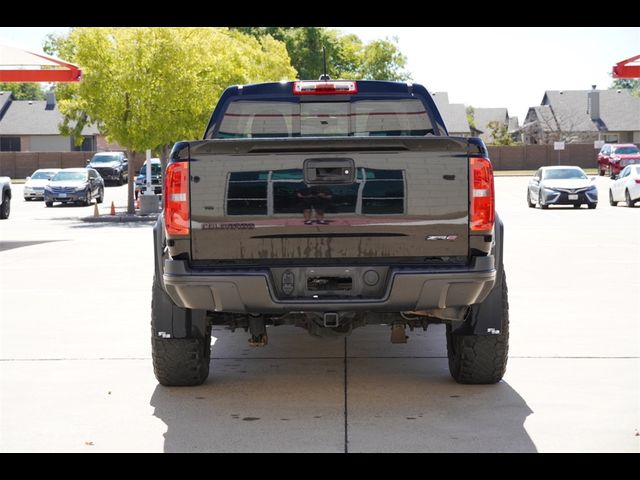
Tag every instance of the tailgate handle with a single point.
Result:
(329, 171)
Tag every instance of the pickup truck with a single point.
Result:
(328, 205)
(5, 197)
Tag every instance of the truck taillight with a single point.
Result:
(324, 88)
(176, 198)
(482, 194)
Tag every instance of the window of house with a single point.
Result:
(611, 137)
(87, 145)
(9, 144)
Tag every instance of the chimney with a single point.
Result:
(594, 103)
(51, 101)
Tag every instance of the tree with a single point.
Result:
(626, 84)
(146, 88)
(23, 91)
(500, 133)
(347, 56)
(471, 119)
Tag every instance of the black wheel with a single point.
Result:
(48, 204)
(87, 199)
(600, 172)
(482, 359)
(627, 198)
(576, 205)
(542, 205)
(592, 206)
(531, 205)
(177, 361)
(611, 174)
(100, 197)
(611, 201)
(120, 180)
(5, 206)
(27, 199)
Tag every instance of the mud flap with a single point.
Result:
(486, 318)
(167, 319)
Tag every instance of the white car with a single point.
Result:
(34, 186)
(627, 187)
(561, 185)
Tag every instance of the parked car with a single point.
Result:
(80, 185)
(34, 186)
(156, 178)
(5, 197)
(627, 187)
(614, 157)
(561, 185)
(112, 166)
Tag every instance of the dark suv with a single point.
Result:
(112, 166)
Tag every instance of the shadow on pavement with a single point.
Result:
(297, 403)
(9, 244)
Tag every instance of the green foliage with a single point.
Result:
(500, 133)
(23, 91)
(471, 119)
(148, 87)
(347, 56)
(627, 84)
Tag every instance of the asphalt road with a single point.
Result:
(76, 374)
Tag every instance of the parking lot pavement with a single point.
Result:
(76, 375)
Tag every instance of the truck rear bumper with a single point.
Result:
(251, 291)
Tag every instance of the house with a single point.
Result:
(33, 126)
(453, 114)
(582, 116)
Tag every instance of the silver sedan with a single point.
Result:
(561, 185)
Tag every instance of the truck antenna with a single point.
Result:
(324, 77)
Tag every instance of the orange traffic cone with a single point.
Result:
(113, 208)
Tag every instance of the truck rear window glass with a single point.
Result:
(271, 119)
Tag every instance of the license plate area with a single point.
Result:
(573, 196)
(329, 284)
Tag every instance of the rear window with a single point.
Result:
(366, 117)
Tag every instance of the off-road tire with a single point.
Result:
(481, 359)
(5, 207)
(177, 361)
(181, 361)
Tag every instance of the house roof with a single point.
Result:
(483, 116)
(5, 97)
(453, 114)
(514, 124)
(26, 117)
(619, 110)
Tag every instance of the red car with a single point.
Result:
(614, 157)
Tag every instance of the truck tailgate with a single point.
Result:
(388, 199)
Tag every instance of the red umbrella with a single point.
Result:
(22, 66)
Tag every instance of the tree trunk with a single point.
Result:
(130, 182)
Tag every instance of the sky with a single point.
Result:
(484, 67)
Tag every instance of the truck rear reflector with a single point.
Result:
(482, 194)
(324, 88)
(176, 199)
